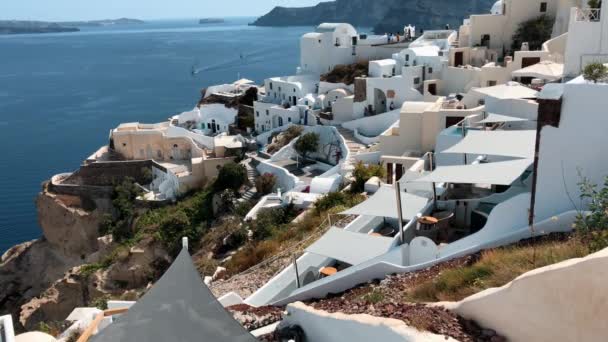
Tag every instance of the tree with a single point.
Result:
(363, 173)
(535, 32)
(595, 72)
(307, 143)
(265, 183)
(231, 176)
(123, 202)
(594, 3)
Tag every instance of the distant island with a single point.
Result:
(103, 22)
(382, 15)
(211, 21)
(28, 26)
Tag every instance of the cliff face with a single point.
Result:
(382, 15)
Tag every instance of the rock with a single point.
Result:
(59, 300)
(28, 269)
(208, 280)
(219, 273)
(66, 226)
(136, 267)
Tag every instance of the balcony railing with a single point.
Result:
(588, 14)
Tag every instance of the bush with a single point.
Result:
(265, 183)
(336, 199)
(174, 227)
(284, 138)
(595, 72)
(307, 143)
(535, 32)
(363, 173)
(231, 176)
(346, 73)
(592, 226)
(270, 220)
(123, 201)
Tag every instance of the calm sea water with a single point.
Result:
(60, 94)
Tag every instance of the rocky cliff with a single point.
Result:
(382, 15)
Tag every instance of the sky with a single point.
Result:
(63, 10)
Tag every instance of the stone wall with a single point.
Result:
(109, 173)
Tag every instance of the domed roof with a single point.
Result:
(497, 7)
(34, 336)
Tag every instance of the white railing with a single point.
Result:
(7, 334)
(588, 14)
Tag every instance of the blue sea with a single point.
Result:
(60, 94)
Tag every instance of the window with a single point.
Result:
(124, 144)
(491, 83)
(270, 85)
(416, 80)
(279, 89)
(430, 70)
(543, 7)
(289, 119)
(294, 90)
(174, 145)
(257, 113)
(407, 58)
(267, 112)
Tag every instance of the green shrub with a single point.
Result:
(595, 72)
(123, 201)
(231, 176)
(175, 226)
(336, 199)
(363, 173)
(592, 226)
(269, 220)
(265, 183)
(535, 32)
(307, 143)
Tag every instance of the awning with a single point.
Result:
(384, 204)
(518, 143)
(545, 70)
(179, 307)
(511, 90)
(496, 118)
(498, 173)
(351, 248)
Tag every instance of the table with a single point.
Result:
(328, 271)
(428, 220)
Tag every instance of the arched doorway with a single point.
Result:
(379, 101)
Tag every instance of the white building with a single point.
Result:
(339, 43)
(495, 30)
(586, 42)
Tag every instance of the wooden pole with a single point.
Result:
(399, 213)
(88, 332)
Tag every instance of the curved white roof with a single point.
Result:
(329, 27)
(497, 8)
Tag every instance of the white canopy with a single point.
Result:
(518, 144)
(349, 247)
(545, 70)
(498, 173)
(384, 204)
(495, 118)
(511, 90)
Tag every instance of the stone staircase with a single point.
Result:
(252, 174)
(354, 147)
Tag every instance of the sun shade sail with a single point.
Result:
(499, 173)
(384, 204)
(351, 248)
(178, 308)
(544, 70)
(518, 144)
(511, 90)
(496, 118)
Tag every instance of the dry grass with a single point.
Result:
(495, 268)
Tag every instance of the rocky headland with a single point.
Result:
(381, 15)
